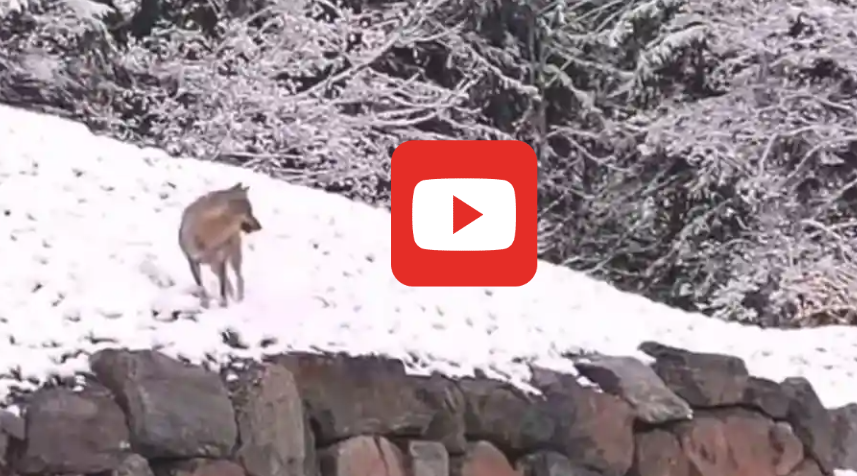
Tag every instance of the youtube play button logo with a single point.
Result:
(464, 213)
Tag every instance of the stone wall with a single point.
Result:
(304, 414)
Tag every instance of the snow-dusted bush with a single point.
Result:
(734, 195)
(297, 89)
(53, 53)
(295, 96)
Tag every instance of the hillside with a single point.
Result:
(90, 260)
(697, 153)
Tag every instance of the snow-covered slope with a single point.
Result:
(89, 258)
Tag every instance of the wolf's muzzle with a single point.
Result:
(250, 225)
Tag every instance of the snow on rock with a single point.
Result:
(89, 259)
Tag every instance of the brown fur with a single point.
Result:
(210, 234)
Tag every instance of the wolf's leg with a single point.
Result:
(197, 278)
(225, 286)
(235, 260)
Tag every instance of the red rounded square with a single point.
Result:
(494, 187)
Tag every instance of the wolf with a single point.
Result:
(210, 233)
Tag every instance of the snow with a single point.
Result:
(89, 259)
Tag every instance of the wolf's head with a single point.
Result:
(239, 204)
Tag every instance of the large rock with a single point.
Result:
(446, 399)
(426, 458)
(595, 429)
(362, 456)
(727, 443)
(550, 463)
(12, 430)
(133, 465)
(845, 436)
(637, 384)
(73, 433)
(737, 442)
(12, 425)
(589, 427)
(390, 403)
(198, 467)
(788, 446)
(174, 410)
(811, 421)
(311, 467)
(702, 380)
(270, 419)
(482, 459)
(507, 417)
(807, 467)
(658, 453)
(767, 396)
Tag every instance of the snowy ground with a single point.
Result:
(89, 259)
